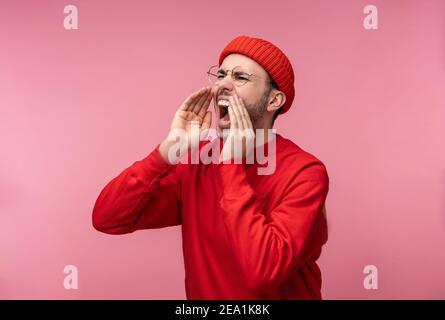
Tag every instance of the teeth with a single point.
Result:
(223, 103)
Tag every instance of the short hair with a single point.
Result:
(273, 85)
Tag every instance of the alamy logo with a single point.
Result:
(371, 20)
(71, 20)
(371, 280)
(71, 281)
(244, 146)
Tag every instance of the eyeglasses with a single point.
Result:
(239, 77)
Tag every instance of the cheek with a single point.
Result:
(249, 97)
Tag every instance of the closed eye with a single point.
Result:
(241, 76)
(220, 74)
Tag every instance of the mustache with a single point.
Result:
(222, 96)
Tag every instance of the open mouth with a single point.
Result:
(224, 119)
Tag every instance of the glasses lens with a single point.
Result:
(213, 74)
(240, 76)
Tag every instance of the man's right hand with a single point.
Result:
(193, 111)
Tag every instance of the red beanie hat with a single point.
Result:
(271, 58)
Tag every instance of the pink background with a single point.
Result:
(79, 106)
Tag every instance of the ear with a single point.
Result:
(276, 100)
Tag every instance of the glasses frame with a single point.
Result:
(209, 73)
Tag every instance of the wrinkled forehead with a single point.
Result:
(243, 63)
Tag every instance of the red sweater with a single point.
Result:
(245, 236)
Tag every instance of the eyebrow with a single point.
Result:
(240, 70)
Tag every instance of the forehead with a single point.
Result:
(248, 65)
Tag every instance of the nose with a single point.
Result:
(225, 86)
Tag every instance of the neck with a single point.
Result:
(264, 134)
(267, 134)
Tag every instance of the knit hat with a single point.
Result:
(271, 58)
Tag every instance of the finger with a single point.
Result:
(207, 121)
(202, 112)
(248, 131)
(236, 112)
(201, 96)
(191, 99)
(247, 115)
(204, 130)
(243, 112)
(232, 117)
(200, 101)
(215, 87)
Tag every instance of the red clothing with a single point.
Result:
(245, 236)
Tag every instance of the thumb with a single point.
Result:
(207, 121)
(206, 125)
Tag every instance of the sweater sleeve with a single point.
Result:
(271, 249)
(146, 195)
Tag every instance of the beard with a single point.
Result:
(256, 110)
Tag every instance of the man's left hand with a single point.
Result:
(240, 141)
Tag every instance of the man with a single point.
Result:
(245, 235)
